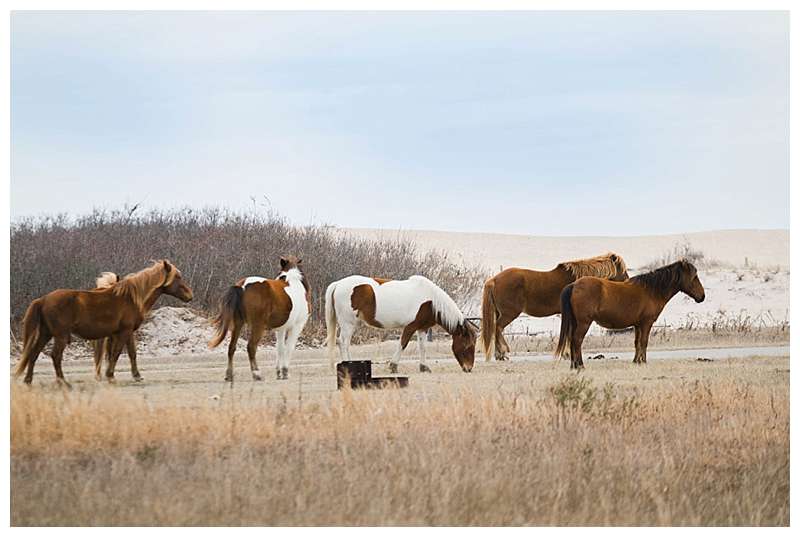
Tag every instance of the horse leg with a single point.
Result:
(35, 351)
(131, 348)
(291, 341)
(345, 335)
(501, 347)
(58, 350)
(280, 350)
(98, 348)
(401, 345)
(423, 367)
(643, 339)
(577, 340)
(117, 343)
(637, 344)
(256, 332)
(237, 329)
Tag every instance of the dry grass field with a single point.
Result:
(675, 442)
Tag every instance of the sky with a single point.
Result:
(543, 123)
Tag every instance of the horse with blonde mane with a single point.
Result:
(415, 305)
(282, 304)
(516, 290)
(636, 302)
(102, 347)
(115, 312)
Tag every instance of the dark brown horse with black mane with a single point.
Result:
(516, 290)
(637, 302)
(115, 312)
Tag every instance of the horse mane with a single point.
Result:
(661, 280)
(106, 279)
(139, 285)
(601, 266)
(444, 308)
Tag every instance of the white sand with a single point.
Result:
(737, 248)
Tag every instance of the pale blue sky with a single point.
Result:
(545, 123)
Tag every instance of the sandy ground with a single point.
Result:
(764, 249)
(197, 379)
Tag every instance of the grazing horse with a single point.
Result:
(415, 305)
(115, 312)
(637, 302)
(517, 290)
(282, 304)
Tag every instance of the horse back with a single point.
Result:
(90, 314)
(267, 300)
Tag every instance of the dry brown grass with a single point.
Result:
(677, 442)
(690, 338)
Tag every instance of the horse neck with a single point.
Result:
(151, 299)
(666, 295)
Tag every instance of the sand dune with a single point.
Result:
(738, 248)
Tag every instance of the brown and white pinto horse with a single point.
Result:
(637, 302)
(415, 305)
(282, 304)
(115, 312)
(517, 290)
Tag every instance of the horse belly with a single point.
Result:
(615, 320)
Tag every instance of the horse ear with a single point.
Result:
(167, 266)
(284, 262)
(299, 261)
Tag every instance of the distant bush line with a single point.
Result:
(213, 248)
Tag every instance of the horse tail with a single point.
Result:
(488, 318)
(31, 327)
(330, 322)
(568, 322)
(231, 312)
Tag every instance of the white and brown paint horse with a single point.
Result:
(282, 304)
(415, 305)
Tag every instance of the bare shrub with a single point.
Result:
(682, 250)
(213, 247)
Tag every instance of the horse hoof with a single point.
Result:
(228, 378)
(283, 373)
(424, 368)
(138, 378)
(64, 384)
(392, 368)
(257, 376)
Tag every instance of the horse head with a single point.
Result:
(174, 284)
(690, 282)
(464, 337)
(621, 271)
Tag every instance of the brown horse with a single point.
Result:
(637, 302)
(102, 347)
(516, 290)
(282, 304)
(115, 312)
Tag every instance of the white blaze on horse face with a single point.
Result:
(252, 279)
